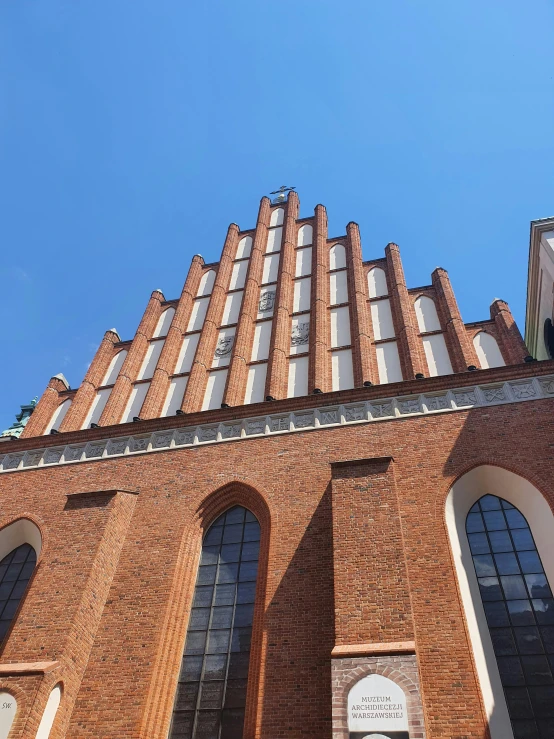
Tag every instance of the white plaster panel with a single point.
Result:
(339, 287)
(206, 283)
(215, 389)
(164, 322)
(175, 394)
(340, 327)
(8, 709)
(303, 262)
(262, 336)
(487, 350)
(113, 370)
(342, 370)
(337, 257)
(136, 399)
(302, 293)
(49, 714)
(436, 353)
(255, 384)
(58, 416)
(231, 310)
(277, 217)
(482, 480)
(238, 275)
(270, 269)
(150, 360)
(298, 377)
(97, 407)
(186, 355)
(300, 334)
(388, 362)
(224, 347)
(381, 317)
(305, 235)
(198, 314)
(274, 237)
(426, 313)
(244, 248)
(377, 282)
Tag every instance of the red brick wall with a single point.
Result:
(114, 583)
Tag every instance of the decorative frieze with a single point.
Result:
(387, 409)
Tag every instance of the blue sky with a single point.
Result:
(132, 133)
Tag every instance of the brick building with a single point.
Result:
(305, 500)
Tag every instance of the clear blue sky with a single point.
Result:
(132, 133)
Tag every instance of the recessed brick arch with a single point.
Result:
(157, 716)
(401, 669)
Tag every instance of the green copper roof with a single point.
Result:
(21, 420)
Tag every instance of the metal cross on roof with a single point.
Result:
(281, 193)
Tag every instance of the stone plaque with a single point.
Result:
(377, 709)
(8, 708)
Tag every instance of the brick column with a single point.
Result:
(461, 349)
(279, 345)
(196, 386)
(129, 371)
(84, 396)
(44, 409)
(403, 314)
(155, 398)
(319, 369)
(363, 349)
(244, 336)
(511, 342)
(372, 593)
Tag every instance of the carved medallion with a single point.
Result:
(224, 346)
(300, 334)
(267, 301)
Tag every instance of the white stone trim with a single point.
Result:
(362, 411)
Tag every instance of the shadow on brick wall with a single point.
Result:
(299, 624)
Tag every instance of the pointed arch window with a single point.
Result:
(211, 693)
(519, 609)
(16, 569)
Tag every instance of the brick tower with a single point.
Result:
(305, 500)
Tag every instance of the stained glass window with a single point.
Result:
(211, 693)
(15, 572)
(519, 608)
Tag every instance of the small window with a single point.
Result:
(15, 572)
(211, 692)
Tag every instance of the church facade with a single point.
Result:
(305, 500)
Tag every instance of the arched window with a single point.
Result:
(337, 257)
(113, 370)
(488, 353)
(519, 609)
(206, 283)
(377, 283)
(426, 314)
(164, 323)
(305, 235)
(211, 693)
(58, 416)
(277, 217)
(16, 569)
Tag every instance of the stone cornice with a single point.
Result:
(135, 439)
